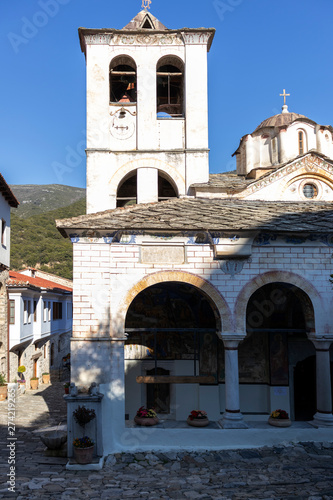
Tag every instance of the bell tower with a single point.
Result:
(147, 112)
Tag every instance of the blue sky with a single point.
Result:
(260, 48)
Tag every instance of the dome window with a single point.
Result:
(310, 191)
(300, 143)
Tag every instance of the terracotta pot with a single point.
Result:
(3, 392)
(46, 379)
(66, 390)
(84, 455)
(34, 384)
(198, 422)
(279, 422)
(146, 421)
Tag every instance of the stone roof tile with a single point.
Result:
(215, 215)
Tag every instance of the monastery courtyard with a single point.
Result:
(298, 471)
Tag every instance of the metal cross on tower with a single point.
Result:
(146, 4)
(284, 95)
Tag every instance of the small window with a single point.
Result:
(12, 312)
(300, 142)
(123, 80)
(3, 232)
(27, 312)
(35, 311)
(59, 345)
(45, 312)
(170, 87)
(57, 310)
(49, 311)
(310, 191)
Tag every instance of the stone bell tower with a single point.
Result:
(147, 112)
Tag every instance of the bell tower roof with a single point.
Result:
(145, 20)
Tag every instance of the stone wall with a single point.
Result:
(41, 352)
(3, 322)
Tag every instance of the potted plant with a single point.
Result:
(46, 378)
(84, 446)
(146, 417)
(198, 418)
(20, 372)
(279, 418)
(66, 387)
(34, 383)
(3, 388)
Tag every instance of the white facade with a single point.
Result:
(124, 137)
(248, 278)
(40, 324)
(4, 232)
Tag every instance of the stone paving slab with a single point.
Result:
(285, 472)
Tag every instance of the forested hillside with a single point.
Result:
(35, 241)
(36, 199)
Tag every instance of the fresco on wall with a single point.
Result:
(253, 359)
(279, 359)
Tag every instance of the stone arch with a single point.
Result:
(164, 167)
(271, 277)
(204, 286)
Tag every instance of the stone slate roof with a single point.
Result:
(189, 214)
(226, 181)
(282, 119)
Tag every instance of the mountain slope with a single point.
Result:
(35, 199)
(35, 241)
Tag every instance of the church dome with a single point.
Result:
(283, 119)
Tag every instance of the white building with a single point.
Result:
(7, 200)
(227, 281)
(40, 323)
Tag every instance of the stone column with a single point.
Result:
(323, 416)
(249, 154)
(232, 417)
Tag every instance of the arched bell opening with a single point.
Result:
(279, 317)
(127, 190)
(123, 80)
(172, 346)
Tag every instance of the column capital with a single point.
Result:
(321, 344)
(232, 341)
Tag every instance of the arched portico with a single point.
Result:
(278, 277)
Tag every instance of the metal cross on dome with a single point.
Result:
(146, 4)
(284, 95)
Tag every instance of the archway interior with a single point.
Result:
(278, 318)
(170, 323)
(128, 188)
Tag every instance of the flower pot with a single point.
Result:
(83, 455)
(3, 392)
(146, 421)
(46, 378)
(279, 422)
(198, 422)
(66, 390)
(34, 384)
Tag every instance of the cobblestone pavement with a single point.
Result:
(302, 471)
